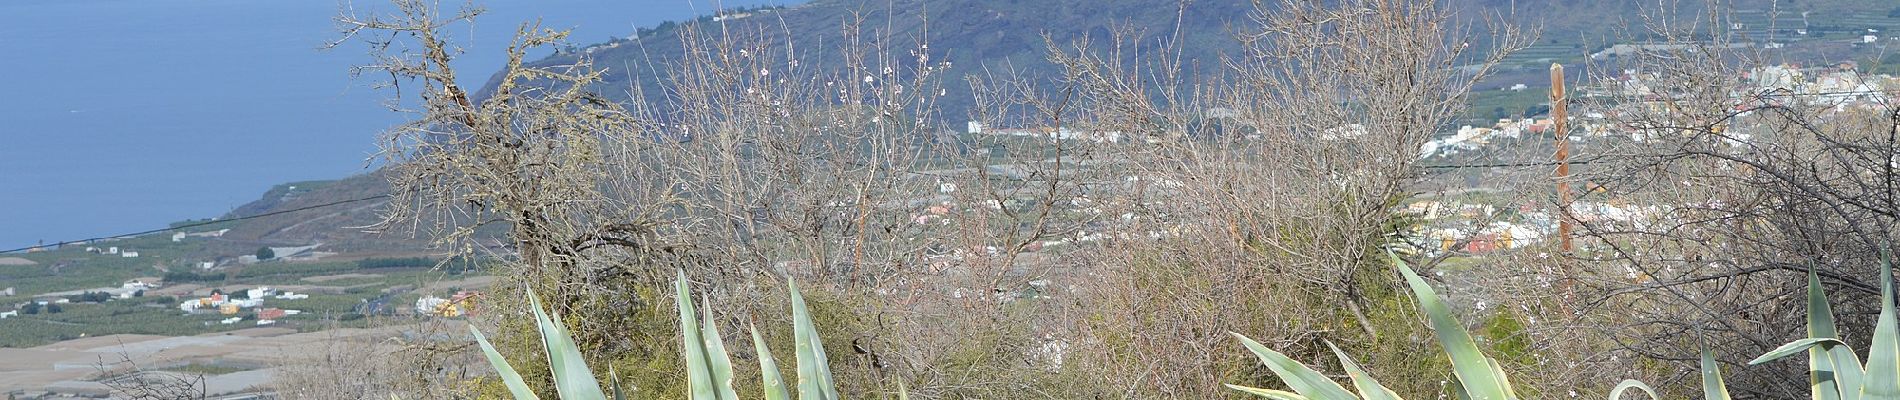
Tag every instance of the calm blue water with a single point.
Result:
(123, 115)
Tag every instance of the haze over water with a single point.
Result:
(123, 115)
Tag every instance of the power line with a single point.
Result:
(197, 224)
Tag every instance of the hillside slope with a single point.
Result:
(995, 35)
(352, 203)
(983, 36)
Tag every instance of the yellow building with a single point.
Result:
(228, 309)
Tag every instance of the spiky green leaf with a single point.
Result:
(814, 370)
(1267, 393)
(1475, 371)
(1627, 384)
(572, 378)
(699, 376)
(1298, 377)
(717, 361)
(1712, 386)
(509, 378)
(768, 369)
(1796, 347)
(1369, 388)
(1882, 381)
(1834, 373)
(613, 378)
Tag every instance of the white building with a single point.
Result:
(9, 314)
(178, 236)
(428, 304)
(259, 292)
(129, 254)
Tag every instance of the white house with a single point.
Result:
(5, 315)
(259, 292)
(428, 304)
(178, 236)
(112, 250)
(129, 254)
(1869, 39)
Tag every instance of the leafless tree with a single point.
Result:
(127, 379)
(1727, 179)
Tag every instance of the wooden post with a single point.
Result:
(1560, 125)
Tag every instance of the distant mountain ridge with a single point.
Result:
(333, 213)
(994, 35)
(979, 34)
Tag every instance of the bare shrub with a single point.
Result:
(1723, 184)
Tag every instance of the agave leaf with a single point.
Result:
(516, 386)
(1458, 391)
(1712, 386)
(1298, 377)
(1795, 347)
(1617, 393)
(768, 369)
(699, 375)
(1475, 371)
(1834, 372)
(613, 377)
(572, 378)
(1369, 388)
(1503, 380)
(719, 363)
(1267, 393)
(1882, 381)
(814, 371)
(903, 393)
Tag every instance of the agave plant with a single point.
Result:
(709, 369)
(1835, 373)
(1479, 376)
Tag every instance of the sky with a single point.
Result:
(119, 116)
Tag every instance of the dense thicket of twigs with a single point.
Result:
(1115, 222)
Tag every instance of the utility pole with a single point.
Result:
(1560, 125)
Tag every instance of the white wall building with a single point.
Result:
(428, 304)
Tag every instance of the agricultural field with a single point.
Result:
(343, 290)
